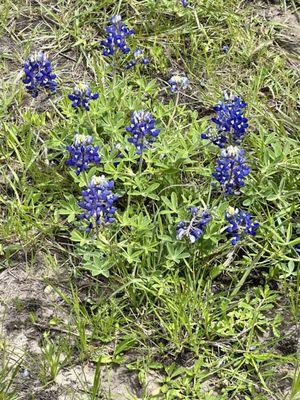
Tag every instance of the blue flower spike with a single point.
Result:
(39, 75)
(82, 153)
(194, 228)
(178, 82)
(117, 33)
(184, 3)
(231, 169)
(142, 130)
(230, 122)
(98, 200)
(240, 224)
(81, 96)
(138, 58)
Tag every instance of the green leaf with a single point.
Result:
(97, 264)
(176, 252)
(125, 345)
(105, 359)
(80, 237)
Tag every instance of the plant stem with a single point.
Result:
(174, 111)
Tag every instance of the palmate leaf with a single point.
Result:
(147, 192)
(69, 208)
(171, 204)
(97, 264)
(176, 253)
(80, 237)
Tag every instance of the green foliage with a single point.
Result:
(8, 372)
(206, 317)
(56, 355)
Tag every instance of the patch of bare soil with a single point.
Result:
(118, 382)
(27, 304)
(23, 298)
(289, 37)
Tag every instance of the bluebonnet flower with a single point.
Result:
(82, 153)
(82, 95)
(219, 138)
(240, 224)
(194, 228)
(97, 202)
(142, 130)
(138, 58)
(38, 74)
(116, 35)
(178, 82)
(184, 3)
(231, 169)
(230, 122)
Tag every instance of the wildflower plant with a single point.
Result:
(141, 186)
(81, 96)
(82, 153)
(138, 58)
(142, 130)
(240, 224)
(97, 203)
(177, 83)
(117, 33)
(39, 75)
(231, 169)
(195, 227)
(230, 122)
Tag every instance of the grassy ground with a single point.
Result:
(138, 314)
